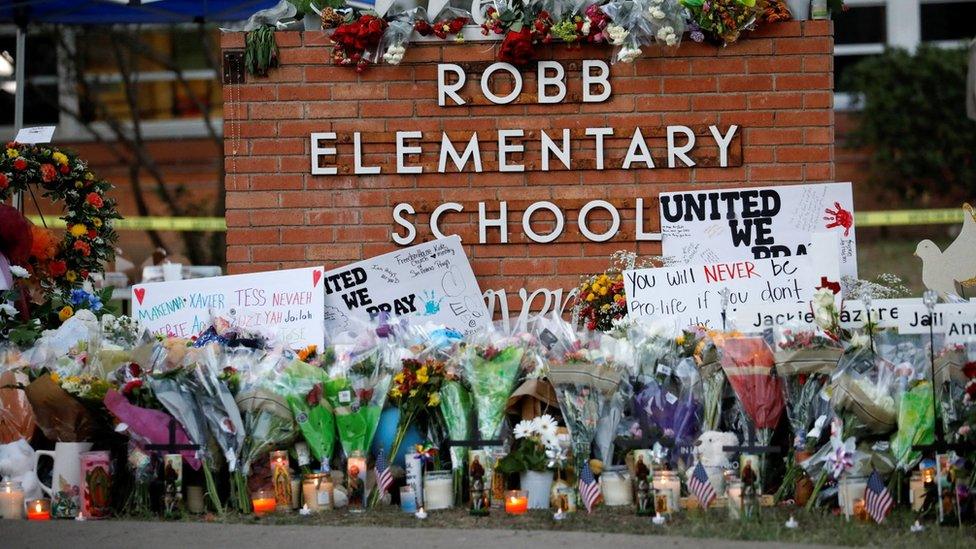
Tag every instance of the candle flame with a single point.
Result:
(37, 507)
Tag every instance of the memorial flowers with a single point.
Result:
(535, 441)
(723, 20)
(602, 300)
(354, 39)
(416, 391)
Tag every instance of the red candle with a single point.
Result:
(516, 502)
(39, 509)
(263, 502)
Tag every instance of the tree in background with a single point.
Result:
(914, 124)
(121, 130)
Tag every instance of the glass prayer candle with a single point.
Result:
(408, 499)
(850, 489)
(281, 479)
(733, 491)
(39, 509)
(356, 481)
(11, 500)
(916, 491)
(616, 487)
(311, 483)
(667, 492)
(516, 502)
(263, 502)
(438, 490)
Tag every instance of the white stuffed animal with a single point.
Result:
(17, 464)
(708, 448)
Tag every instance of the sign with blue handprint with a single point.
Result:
(432, 282)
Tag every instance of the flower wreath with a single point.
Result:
(89, 239)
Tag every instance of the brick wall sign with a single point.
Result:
(542, 171)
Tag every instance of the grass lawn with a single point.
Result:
(815, 527)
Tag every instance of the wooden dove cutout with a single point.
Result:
(941, 270)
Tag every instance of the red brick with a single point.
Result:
(745, 83)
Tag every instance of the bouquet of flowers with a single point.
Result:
(16, 415)
(353, 41)
(304, 388)
(860, 393)
(801, 350)
(602, 300)
(585, 379)
(723, 20)
(416, 391)
(455, 410)
(523, 25)
(67, 407)
(748, 363)
(491, 364)
(907, 357)
(668, 19)
(535, 440)
(450, 21)
(596, 23)
(632, 28)
(668, 406)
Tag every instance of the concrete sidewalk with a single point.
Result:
(188, 535)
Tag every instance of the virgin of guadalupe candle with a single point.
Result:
(356, 481)
(11, 500)
(850, 489)
(667, 491)
(96, 484)
(172, 483)
(281, 479)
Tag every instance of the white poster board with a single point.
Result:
(958, 322)
(431, 282)
(693, 294)
(288, 304)
(716, 225)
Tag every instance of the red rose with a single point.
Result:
(48, 173)
(94, 200)
(516, 48)
(4, 182)
(969, 370)
(57, 268)
(20, 164)
(92, 234)
(423, 28)
(83, 247)
(134, 369)
(83, 273)
(65, 169)
(457, 24)
(131, 386)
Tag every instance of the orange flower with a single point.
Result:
(43, 244)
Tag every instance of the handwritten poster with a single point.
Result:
(288, 304)
(757, 223)
(959, 322)
(694, 294)
(432, 281)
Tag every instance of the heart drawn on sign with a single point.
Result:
(316, 276)
(140, 294)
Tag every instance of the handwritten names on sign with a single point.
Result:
(431, 282)
(287, 304)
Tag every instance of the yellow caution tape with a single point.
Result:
(862, 219)
(154, 223)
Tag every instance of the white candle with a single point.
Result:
(851, 489)
(733, 490)
(666, 483)
(414, 469)
(11, 501)
(616, 487)
(438, 490)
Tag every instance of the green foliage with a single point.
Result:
(528, 455)
(914, 122)
(260, 51)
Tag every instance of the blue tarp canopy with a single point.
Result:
(107, 12)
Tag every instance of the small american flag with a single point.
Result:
(699, 485)
(384, 478)
(589, 489)
(877, 498)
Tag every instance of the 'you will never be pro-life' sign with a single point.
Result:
(431, 282)
(694, 294)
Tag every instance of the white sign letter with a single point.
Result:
(501, 223)
(319, 151)
(723, 143)
(445, 90)
(398, 212)
(637, 142)
(486, 80)
(435, 216)
(598, 134)
(357, 154)
(546, 81)
(527, 222)
(614, 225)
(549, 146)
(402, 151)
(471, 151)
(504, 148)
(679, 152)
(602, 79)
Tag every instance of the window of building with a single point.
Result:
(40, 98)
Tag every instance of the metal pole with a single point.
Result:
(19, 79)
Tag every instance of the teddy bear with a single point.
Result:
(17, 464)
(708, 448)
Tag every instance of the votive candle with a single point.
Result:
(263, 502)
(516, 502)
(281, 479)
(39, 509)
(11, 500)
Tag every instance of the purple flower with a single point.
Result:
(697, 36)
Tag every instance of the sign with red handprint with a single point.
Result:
(758, 223)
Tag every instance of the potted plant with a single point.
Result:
(533, 438)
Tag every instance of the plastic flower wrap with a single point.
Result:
(748, 364)
(585, 379)
(669, 406)
(629, 29)
(801, 349)
(455, 410)
(722, 20)
(860, 393)
(356, 39)
(908, 358)
(357, 389)
(223, 418)
(146, 426)
(491, 365)
(667, 19)
(449, 22)
(141, 467)
(16, 414)
(619, 352)
(303, 386)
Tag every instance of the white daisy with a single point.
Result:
(523, 429)
(19, 271)
(8, 309)
(546, 427)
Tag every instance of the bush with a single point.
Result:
(914, 123)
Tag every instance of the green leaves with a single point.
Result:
(260, 51)
(915, 124)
